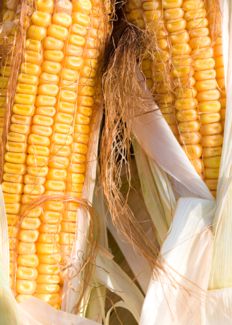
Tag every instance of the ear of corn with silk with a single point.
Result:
(186, 76)
(47, 143)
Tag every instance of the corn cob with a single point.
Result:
(193, 74)
(46, 151)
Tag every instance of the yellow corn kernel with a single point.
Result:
(25, 287)
(203, 53)
(36, 32)
(190, 138)
(67, 238)
(27, 79)
(205, 75)
(194, 151)
(55, 185)
(16, 147)
(43, 100)
(209, 107)
(26, 89)
(30, 224)
(38, 140)
(208, 95)
(51, 67)
(69, 227)
(211, 183)
(35, 212)
(192, 4)
(199, 32)
(47, 288)
(51, 43)
(13, 188)
(186, 104)
(39, 161)
(219, 62)
(211, 173)
(195, 14)
(45, 5)
(170, 4)
(42, 120)
(15, 157)
(192, 126)
(11, 198)
(181, 49)
(62, 19)
(197, 23)
(26, 99)
(30, 68)
(47, 249)
(220, 73)
(51, 217)
(48, 238)
(30, 179)
(206, 85)
(49, 90)
(16, 137)
(52, 299)
(34, 189)
(49, 259)
(28, 260)
(198, 165)
(204, 64)
(28, 236)
(61, 139)
(187, 115)
(26, 273)
(59, 162)
(57, 174)
(33, 45)
(46, 110)
(175, 13)
(63, 151)
(80, 18)
(40, 18)
(26, 248)
(78, 168)
(50, 228)
(212, 140)
(174, 26)
(213, 128)
(212, 152)
(57, 31)
(47, 78)
(218, 50)
(53, 55)
(210, 118)
(212, 162)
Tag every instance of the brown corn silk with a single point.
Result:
(124, 98)
(47, 129)
(181, 71)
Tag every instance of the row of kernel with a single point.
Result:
(182, 72)
(207, 93)
(48, 247)
(8, 16)
(157, 70)
(93, 30)
(27, 89)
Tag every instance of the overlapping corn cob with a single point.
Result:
(193, 78)
(47, 145)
